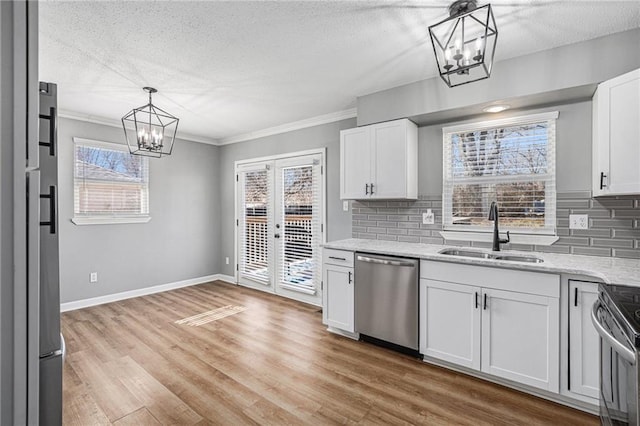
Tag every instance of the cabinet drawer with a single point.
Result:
(337, 257)
(540, 283)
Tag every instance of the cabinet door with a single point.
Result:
(616, 132)
(390, 160)
(337, 297)
(584, 341)
(355, 163)
(520, 338)
(450, 322)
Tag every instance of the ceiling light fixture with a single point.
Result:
(153, 130)
(465, 43)
(496, 108)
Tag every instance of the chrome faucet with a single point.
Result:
(493, 215)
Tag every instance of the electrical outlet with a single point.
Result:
(428, 218)
(93, 277)
(578, 221)
(345, 206)
(226, 260)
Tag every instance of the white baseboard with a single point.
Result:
(93, 301)
(226, 278)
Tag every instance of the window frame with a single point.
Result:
(107, 219)
(540, 236)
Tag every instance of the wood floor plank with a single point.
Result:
(274, 363)
(138, 418)
(110, 394)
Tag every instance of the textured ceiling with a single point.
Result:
(232, 68)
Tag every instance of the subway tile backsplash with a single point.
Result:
(614, 224)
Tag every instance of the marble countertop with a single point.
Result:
(610, 270)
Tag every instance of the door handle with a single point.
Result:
(51, 223)
(371, 189)
(350, 279)
(485, 302)
(575, 297)
(476, 298)
(52, 131)
(366, 189)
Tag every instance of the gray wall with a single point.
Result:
(179, 243)
(554, 70)
(338, 224)
(573, 148)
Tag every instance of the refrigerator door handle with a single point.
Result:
(53, 123)
(51, 223)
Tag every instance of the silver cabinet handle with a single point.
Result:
(366, 189)
(371, 189)
(350, 279)
(620, 348)
(385, 261)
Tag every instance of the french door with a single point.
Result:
(280, 225)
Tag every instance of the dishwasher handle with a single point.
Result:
(385, 261)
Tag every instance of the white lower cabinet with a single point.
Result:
(501, 322)
(452, 329)
(337, 290)
(584, 341)
(520, 338)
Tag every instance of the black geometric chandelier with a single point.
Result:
(150, 130)
(465, 43)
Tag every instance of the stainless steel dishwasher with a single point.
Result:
(386, 300)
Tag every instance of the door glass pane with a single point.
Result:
(254, 252)
(299, 207)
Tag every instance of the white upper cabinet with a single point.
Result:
(379, 161)
(616, 136)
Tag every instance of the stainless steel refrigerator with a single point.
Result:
(50, 342)
(31, 355)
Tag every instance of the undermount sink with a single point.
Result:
(513, 258)
(494, 256)
(466, 253)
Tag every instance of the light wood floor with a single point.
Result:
(128, 363)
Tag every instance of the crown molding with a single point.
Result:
(284, 128)
(117, 123)
(296, 125)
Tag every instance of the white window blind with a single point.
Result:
(301, 218)
(509, 161)
(255, 225)
(109, 181)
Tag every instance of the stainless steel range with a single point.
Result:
(616, 317)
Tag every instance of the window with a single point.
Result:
(110, 184)
(509, 161)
